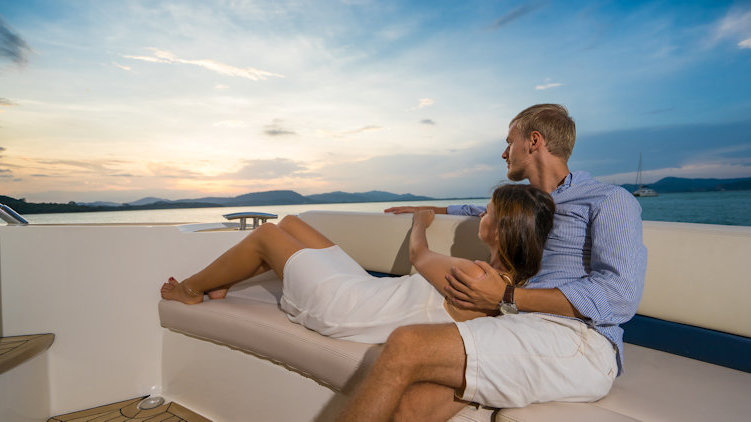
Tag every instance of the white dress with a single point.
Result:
(327, 291)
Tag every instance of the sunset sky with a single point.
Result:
(118, 100)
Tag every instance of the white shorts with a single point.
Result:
(516, 360)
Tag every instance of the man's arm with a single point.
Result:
(610, 292)
(484, 293)
(413, 209)
(471, 210)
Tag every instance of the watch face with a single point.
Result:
(509, 308)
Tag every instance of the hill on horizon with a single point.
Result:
(681, 184)
(289, 197)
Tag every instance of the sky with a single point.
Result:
(118, 100)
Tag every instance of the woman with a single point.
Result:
(327, 291)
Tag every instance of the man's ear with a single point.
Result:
(535, 141)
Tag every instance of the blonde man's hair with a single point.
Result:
(553, 123)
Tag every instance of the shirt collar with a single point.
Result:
(566, 183)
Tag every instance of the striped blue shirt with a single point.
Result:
(594, 254)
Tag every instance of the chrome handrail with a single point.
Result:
(256, 216)
(11, 216)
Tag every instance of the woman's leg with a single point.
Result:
(304, 233)
(300, 231)
(268, 246)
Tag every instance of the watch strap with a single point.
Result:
(508, 295)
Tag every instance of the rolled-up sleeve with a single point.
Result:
(610, 293)
(472, 210)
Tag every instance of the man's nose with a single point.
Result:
(505, 153)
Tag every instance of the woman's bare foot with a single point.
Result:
(219, 293)
(172, 290)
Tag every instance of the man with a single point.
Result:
(565, 343)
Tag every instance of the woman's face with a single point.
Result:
(488, 231)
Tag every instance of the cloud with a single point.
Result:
(514, 14)
(342, 134)
(276, 129)
(267, 169)
(231, 124)
(162, 56)
(548, 86)
(427, 122)
(12, 45)
(424, 102)
(171, 171)
(6, 102)
(96, 166)
(120, 66)
(736, 24)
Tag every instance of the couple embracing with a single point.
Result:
(538, 322)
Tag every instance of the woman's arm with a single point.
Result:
(432, 265)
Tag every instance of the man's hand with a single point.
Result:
(475, 294)
(412, 209)
(423, 218)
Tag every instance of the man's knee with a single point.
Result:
(402, 349)
(403, 339)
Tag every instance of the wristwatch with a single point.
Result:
(507, 305)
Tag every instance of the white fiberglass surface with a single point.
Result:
(97, 290)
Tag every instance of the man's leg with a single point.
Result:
(412, 354)
(426, 401)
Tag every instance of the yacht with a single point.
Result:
(86, 336)
(643, 190)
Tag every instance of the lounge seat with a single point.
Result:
(655, 386)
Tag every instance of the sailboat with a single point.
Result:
(643, 190)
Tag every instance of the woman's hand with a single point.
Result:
(482, 293)
(423, 218)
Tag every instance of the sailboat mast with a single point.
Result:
(638, 172)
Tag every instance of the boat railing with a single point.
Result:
(11, 216)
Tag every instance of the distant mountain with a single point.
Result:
(288, 197)
(679, 184)
(276, 197)
(371, 196)
(146, 201)
(100, 204)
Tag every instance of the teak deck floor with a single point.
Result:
(127, 410)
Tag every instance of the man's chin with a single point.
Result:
(515, 176)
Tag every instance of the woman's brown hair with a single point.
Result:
(525, 217)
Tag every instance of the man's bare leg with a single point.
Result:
(413, 354)
(426, 402)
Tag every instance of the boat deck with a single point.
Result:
(127, 410)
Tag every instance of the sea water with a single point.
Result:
(729, 208)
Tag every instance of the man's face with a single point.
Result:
(516, 155)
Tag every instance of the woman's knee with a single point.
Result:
(288, 220)
(261, 232)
